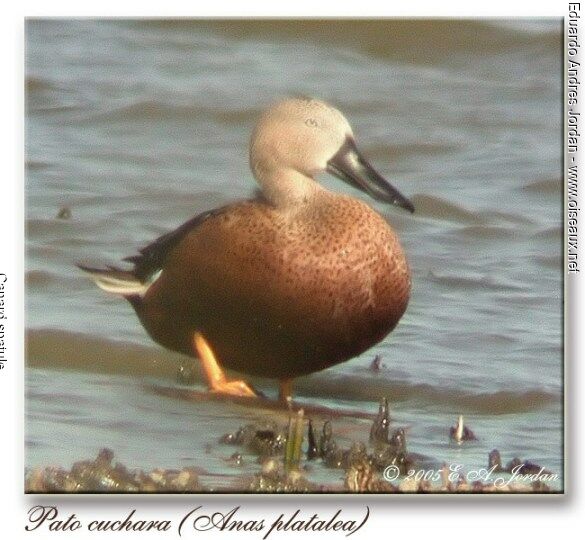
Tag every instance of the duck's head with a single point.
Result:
(296, 139)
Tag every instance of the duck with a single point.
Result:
(288, 283)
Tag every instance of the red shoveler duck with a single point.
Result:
(290, 283)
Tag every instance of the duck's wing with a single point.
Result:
(151, 259)
(148, 263)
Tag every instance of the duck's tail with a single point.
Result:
(117, 281)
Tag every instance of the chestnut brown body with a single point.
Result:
(288, 284)
(281, 294)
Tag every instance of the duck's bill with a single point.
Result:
(349, 165)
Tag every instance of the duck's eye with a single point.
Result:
(311, 122)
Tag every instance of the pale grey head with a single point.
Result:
(298, 138)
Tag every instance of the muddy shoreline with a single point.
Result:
(287, 454)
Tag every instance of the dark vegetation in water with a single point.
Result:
(522, 467)
(64, 213)
(460, 432)
(377, 364)
(102, 475)
(285, 467)
(187, 373)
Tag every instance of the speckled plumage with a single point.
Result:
(280, 293)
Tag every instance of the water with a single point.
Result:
(138, 125)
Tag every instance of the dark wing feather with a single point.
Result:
(152, 257)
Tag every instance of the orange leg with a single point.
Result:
(216, 378)
(285, 389)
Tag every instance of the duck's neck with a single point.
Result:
(289, 189)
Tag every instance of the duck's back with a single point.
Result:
(281, 293)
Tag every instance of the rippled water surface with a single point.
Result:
(137, 126)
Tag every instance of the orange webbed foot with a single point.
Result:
(215, 375)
